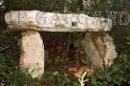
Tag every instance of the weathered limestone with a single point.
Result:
(32, 53)
(55, 22)
(97, 44)
(99, 49)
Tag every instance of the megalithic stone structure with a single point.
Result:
(96, 46)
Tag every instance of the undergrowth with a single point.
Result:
(117, 75)
(10, 75)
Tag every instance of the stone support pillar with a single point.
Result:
(32, 53)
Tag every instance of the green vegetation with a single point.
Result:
(44, 5)
(117, 75)
(10, 75)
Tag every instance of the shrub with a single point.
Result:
(117, 75)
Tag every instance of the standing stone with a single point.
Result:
(111, 53)
(32, 53)
(99, 49)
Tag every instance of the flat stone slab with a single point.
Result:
(55, 22)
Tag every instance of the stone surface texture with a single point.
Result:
(55, 22)
(99, 49)
(32, 53)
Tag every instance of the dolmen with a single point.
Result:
(98, 45)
